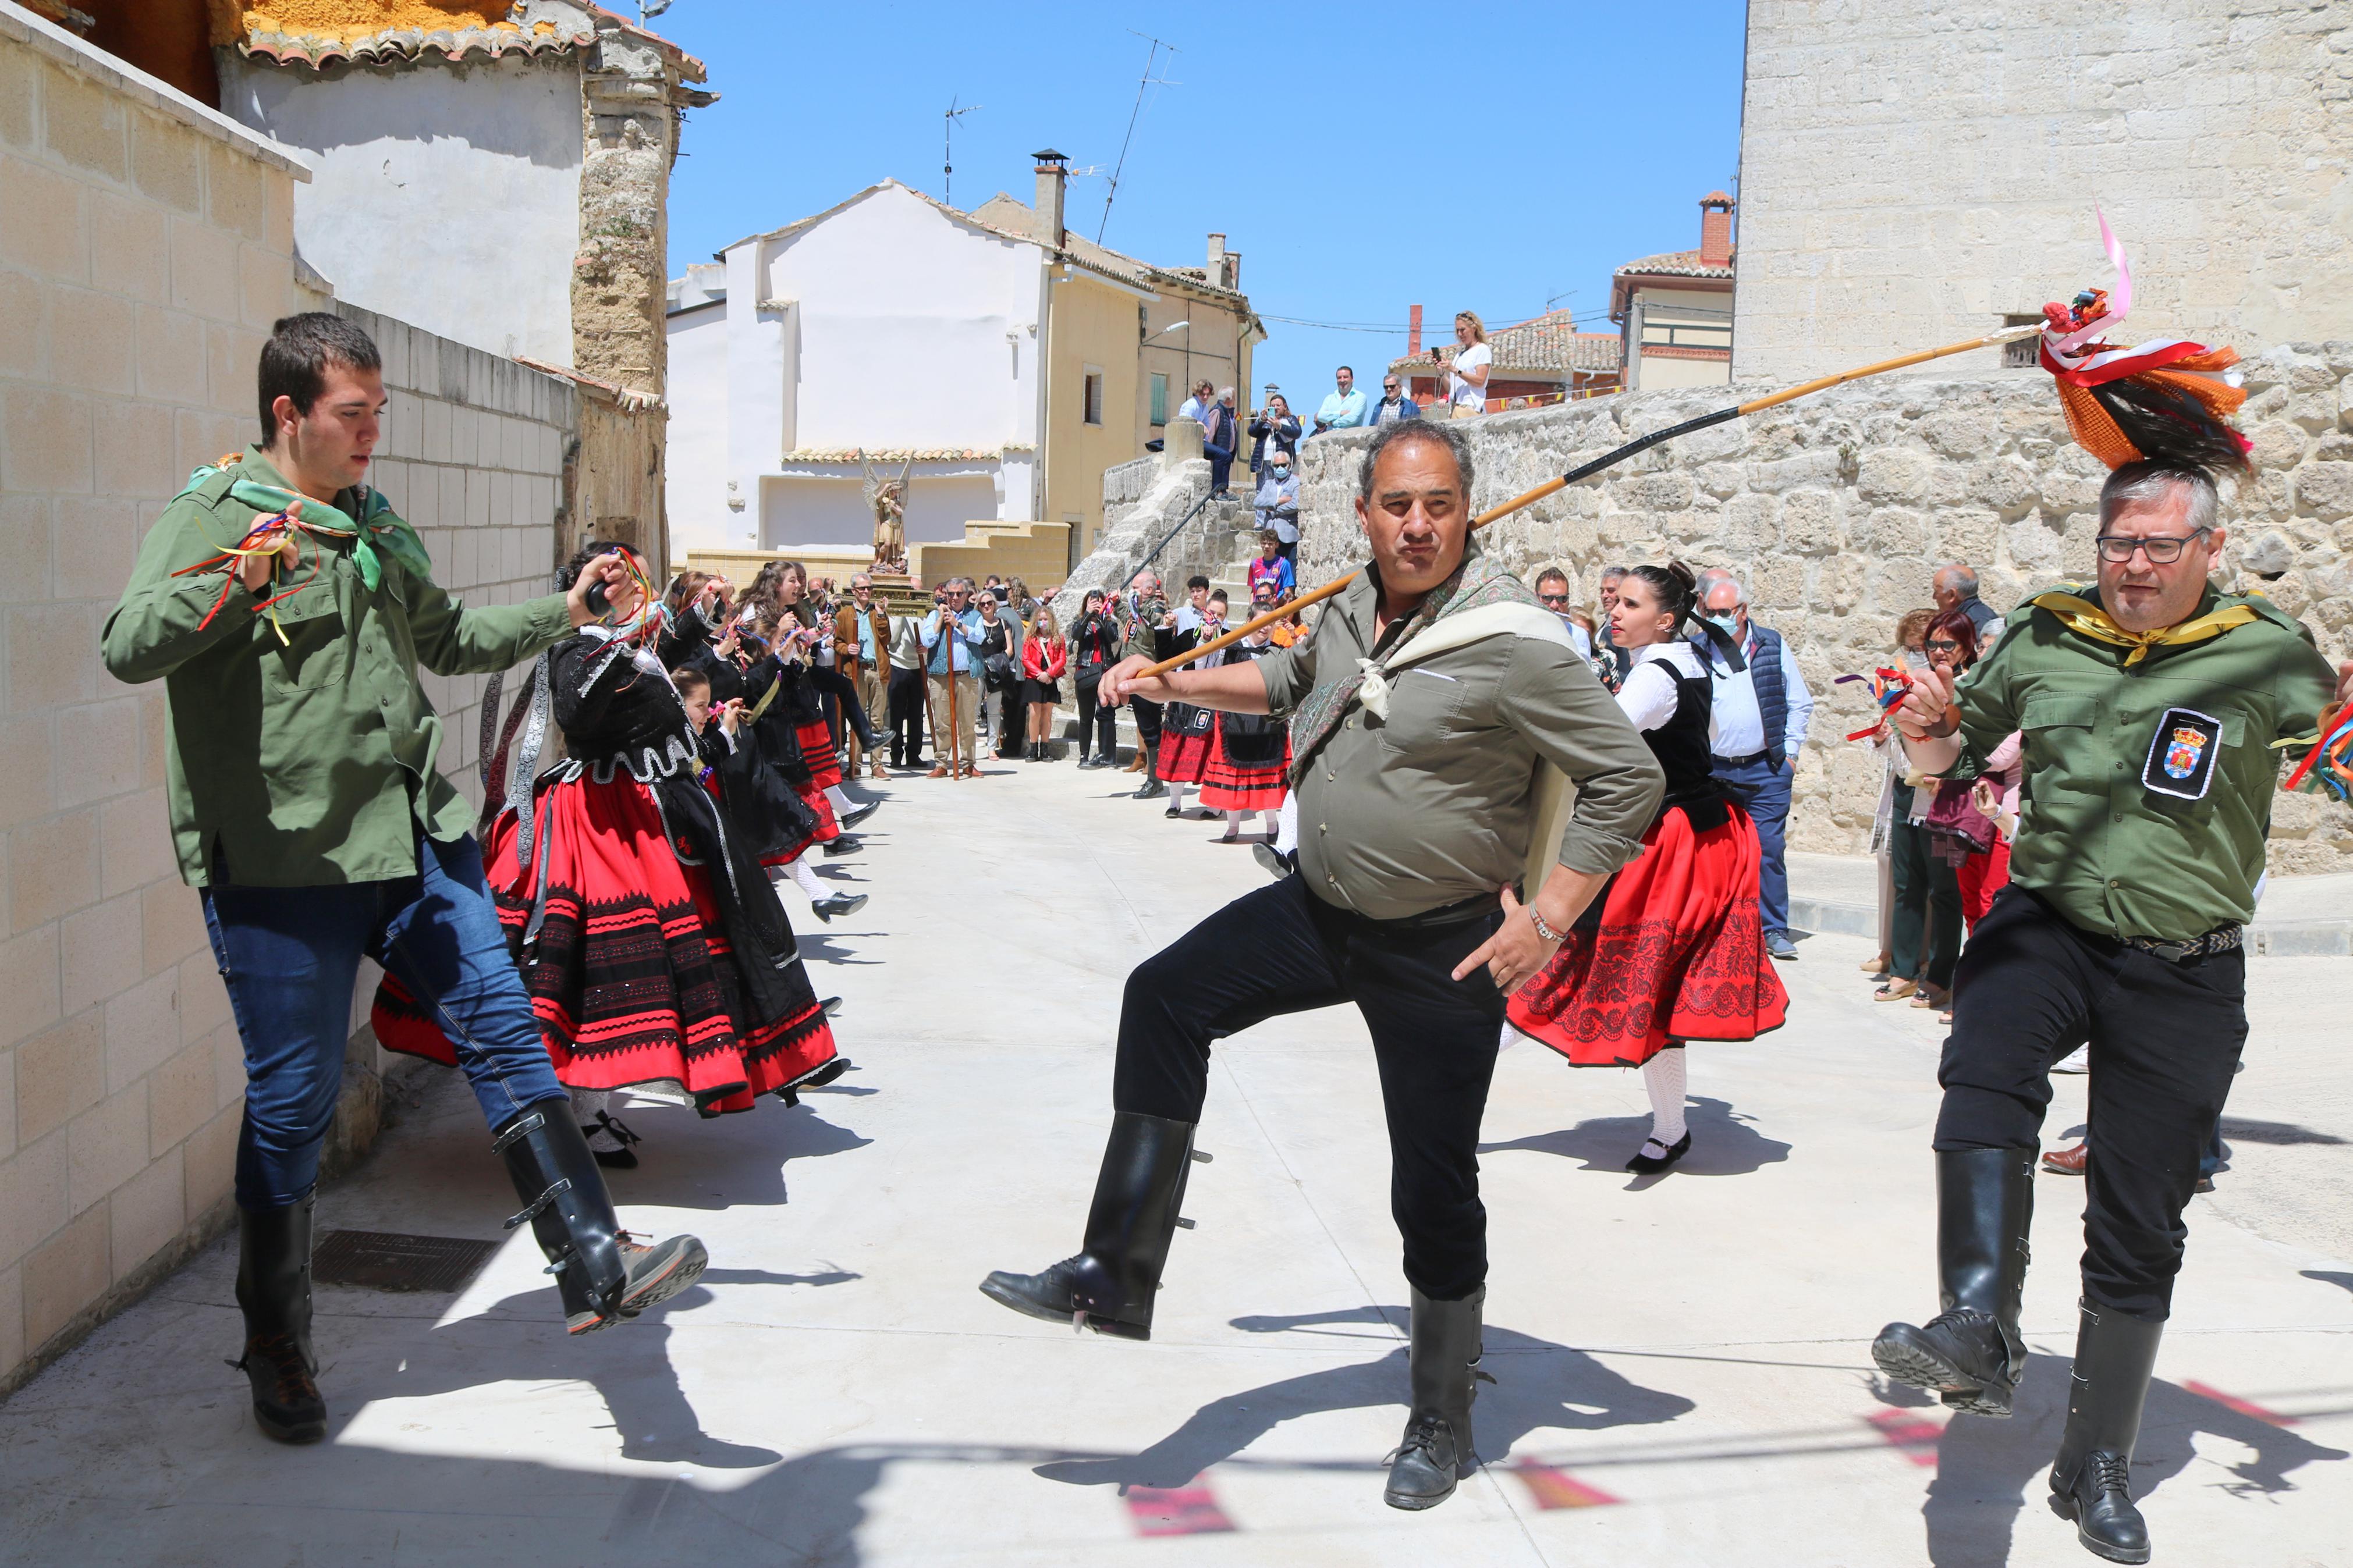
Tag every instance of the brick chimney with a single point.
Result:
(1053, 178)
(1413, 332)
(1715, 229)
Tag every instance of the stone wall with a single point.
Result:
(146, 244)
(1142, 500)
(1834, 510)
(1937, 165)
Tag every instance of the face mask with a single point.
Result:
(1730, 624)
(1282, 470)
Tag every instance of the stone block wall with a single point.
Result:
(1835, 510)
(146, 244)
(1143, 501)
(1937, 165)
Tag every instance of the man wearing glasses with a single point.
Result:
(1552, 590)
(2148, 706)
(1394, 404)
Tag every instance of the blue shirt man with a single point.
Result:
(1343, 408)
(963, 647)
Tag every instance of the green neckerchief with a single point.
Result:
(379, 527)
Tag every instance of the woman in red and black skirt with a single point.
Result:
(1673, 950)
(788, 730)
(1248, 758)
(650, 945)
(1189, 734)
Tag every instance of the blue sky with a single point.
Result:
(1362, 158)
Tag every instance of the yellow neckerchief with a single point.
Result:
(2084, 618)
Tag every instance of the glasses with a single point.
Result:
(2162, 548)
(1553, 598)
(1939, 645)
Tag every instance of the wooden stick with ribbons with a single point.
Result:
(1607, 459)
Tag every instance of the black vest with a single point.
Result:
(1681, 745)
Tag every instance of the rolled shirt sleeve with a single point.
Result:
(1800, 701)
(1554, 699)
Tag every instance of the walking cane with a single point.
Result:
(1607, 459)
(956, 730)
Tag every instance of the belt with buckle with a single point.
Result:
(2221, 939)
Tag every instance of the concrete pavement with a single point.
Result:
(1682, 1364)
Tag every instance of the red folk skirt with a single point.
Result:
(824, 763)
(1184, 758)
(1679, 954)
(1229, 785)
(829, 826)
(634, 980)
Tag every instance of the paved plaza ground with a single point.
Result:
(1681, 1364)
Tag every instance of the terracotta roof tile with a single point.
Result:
(1674, 264)
(321, 46)
(1549, 344)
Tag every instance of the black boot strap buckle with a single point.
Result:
(521, 1126)
(563, 1185)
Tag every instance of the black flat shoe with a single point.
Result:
(1645, 1164)
(832, 1005)
(857, 814)
(846, 845)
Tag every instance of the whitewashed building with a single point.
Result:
(1000, 361)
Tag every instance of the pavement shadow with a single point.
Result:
(2330, 1277)
(1989, 1472)
(1724, 1142)
(2249, 1130)
(728, 1161)
(1537, 1384)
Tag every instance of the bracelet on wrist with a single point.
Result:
(1543, 929)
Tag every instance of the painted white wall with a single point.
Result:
(445, 195)
(807, 509)
(695, 477)
(915, 329)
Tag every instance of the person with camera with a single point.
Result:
(1468, 363)
(286, 607)
(1273, 429)
(1095, 641)
(1146, 626)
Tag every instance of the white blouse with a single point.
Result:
(1648, 694)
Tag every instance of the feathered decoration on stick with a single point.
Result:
(1887, 688)
(2165, 399)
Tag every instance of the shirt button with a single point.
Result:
(2114, 883)
(2119, 816)
(1321, 827)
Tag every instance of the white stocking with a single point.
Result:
(588, 1104)
(842, 803)
(1234, 823)
(1176, 799)
(807, 879)
(1663, 1075)
(1286, 825)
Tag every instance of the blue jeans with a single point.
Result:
(290, 957)
(1762, 788)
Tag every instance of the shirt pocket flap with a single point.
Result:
(2051, 712)
(2234, 729)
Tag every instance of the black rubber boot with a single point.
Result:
(603, 1276)
(1970, 1353)
(273, 1288)
(1444, 1366)
(1109, 1285)
(2091, 1482)
(1153, 789)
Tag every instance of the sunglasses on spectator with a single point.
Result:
(1943, 644)
(2163, 549)
(1553, 598)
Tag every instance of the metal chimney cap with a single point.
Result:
(1050, 156)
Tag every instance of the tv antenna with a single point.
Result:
(947, 148)
(1141, 86)
(648, 9)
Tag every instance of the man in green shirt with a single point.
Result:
(2148, 712)
(1434, 695)
(287, 608)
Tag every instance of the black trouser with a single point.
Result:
(844, 692)
(906, 717)
(1012, 709)
(2164, 1040)
(1095, 717)
(1928, 926)
(1281, 950)
(1147, 720)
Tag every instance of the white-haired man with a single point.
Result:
(1761, 715)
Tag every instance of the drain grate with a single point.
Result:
(382, 1260)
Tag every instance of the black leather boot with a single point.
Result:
(1153, 789)
(273, 1288)
(1109, 1285)
(603, 1276)
(2091, 1482)
(1970, 1353)
(1444, 1366)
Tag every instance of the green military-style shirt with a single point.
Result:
(2148, 786)
(308, 760)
